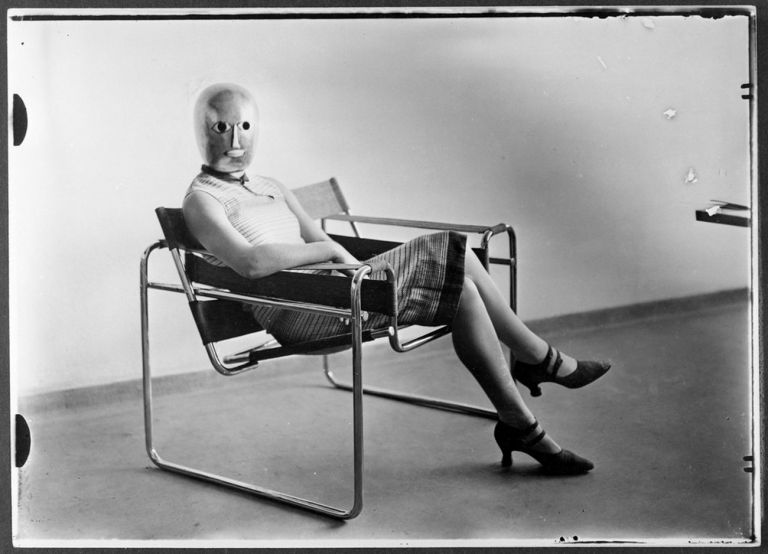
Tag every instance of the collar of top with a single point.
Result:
(224, 176)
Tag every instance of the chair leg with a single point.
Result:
(262, 492)
(418, 400)
(438, 403)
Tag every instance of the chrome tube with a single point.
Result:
(220, 367)
(270, 494)
(145, 359)
(412, 223)
(258, 491)
(354, 228)
(284, 304)
(190, 294)
(257, 300)
(484, 244)
(356, 324)
(170, 287)
(398, 346)
(512, 268)
(417, 400)
(244, 355)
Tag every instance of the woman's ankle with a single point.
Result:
(566, 365)
(525, 426)
(532, 354)
(516, 420)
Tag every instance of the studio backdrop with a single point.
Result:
(596, 138)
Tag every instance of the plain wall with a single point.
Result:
(555, 125)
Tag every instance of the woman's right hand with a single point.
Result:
(342, 256)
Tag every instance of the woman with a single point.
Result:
(257, 227)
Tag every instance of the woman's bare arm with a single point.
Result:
(310, 229)
(208, 222)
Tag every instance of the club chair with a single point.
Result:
(216, 296)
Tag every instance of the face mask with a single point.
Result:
(226, 121)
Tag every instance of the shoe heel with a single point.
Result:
(532, 386)
(499, 433)
(506, 458)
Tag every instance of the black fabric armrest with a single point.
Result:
(327, 290)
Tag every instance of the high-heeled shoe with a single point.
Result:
(564, 462)
(532, 375)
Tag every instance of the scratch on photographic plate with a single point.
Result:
(670, 113)
(602, 62)
(691, 177)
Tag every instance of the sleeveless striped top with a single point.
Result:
(255, 207)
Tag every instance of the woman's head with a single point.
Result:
(226, 124)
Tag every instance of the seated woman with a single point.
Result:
(257, 227)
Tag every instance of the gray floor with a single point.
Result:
(667, 429)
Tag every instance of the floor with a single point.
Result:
(667, 429)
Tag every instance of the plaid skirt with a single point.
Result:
(430, 277)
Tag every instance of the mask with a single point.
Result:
(226, 121)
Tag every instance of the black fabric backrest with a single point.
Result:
(175, 229)
(216, 320)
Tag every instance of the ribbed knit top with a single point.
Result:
(255, 207)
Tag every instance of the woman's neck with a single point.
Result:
(234, 176)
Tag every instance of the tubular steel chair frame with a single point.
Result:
(199, 280)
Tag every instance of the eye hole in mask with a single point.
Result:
(221, 127)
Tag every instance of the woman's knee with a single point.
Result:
(470, 295)
(472, 266)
